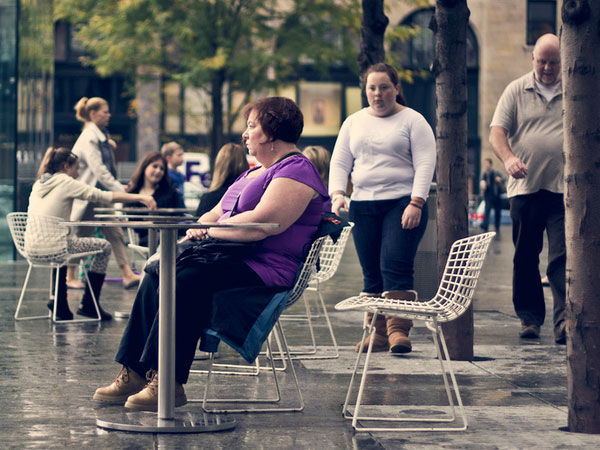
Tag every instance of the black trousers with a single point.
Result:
(492, 203)
(194, 290)
(532, 214)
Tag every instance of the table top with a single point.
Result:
(141, 210)
(166, 226)
(145, 217)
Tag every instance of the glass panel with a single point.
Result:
(541, 19)
(197, 105)
(353, 100)
(8, 106)
(321, 105)
(172, 91)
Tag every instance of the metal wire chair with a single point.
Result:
(452, 299)
(302, 280)
(42, 241)
(329, 261)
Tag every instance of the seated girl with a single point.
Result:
(52, 194)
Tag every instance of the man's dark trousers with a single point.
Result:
(531, 214)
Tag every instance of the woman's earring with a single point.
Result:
(272, 148)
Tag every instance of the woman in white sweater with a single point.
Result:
(388, 150)
(53, 193)
(94, 148)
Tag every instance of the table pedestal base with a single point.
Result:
(147, 422)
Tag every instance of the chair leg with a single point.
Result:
(277, 398)
(312, 352)
(447, 418)
(25, 283)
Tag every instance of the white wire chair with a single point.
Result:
(294, 294)
(329, 261)
(452, 299)
(134, 244)
(42, 241)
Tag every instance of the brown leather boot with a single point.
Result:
(380, 342)
(397, 328)
(147, 398)
(127, 383)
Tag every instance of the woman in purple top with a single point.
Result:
(286, 189)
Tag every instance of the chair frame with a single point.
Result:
(329, 261)
(17, 223)
(452, 299)
(302, 281)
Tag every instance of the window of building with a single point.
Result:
(541, 19)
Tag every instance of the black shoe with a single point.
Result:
(530, 332)
(91, 312)
(61, 313)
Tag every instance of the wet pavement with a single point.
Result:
(514, 392)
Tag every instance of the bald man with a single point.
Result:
(526, 134)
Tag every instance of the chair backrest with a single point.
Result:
(331, 255)
(460, 276)
(38, 238)
(306, 270)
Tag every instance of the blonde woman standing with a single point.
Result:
(94, 149)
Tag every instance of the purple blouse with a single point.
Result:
(280, 256)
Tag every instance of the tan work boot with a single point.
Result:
(147, 399)
(127, 383)
(397, 328)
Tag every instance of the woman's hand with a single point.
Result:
(411, 218)
(338, 201)
(196, 234)
(148, 200)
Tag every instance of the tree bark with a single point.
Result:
(372, 29)
(580, 52)
(449, 67)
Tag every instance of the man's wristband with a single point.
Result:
(416, 205)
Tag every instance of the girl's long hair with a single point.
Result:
(55, 159)
(230, 162)
(137, 179)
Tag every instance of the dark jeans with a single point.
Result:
(385, 250)
(532, 214)
(494, 203)
(195, 287)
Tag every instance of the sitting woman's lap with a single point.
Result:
(194, 288)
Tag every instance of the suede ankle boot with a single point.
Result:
(398, 329)
(62, 304)
(380, 341)
(86, 307)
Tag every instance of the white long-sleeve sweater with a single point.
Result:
(386, 157)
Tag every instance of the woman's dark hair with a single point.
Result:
(230, 162)
(391, 73)
(279, 118)
(137, 179)
(55, 159)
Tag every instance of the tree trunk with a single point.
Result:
(372, 29)
(580, 51)
(450, 70)
(216, 132)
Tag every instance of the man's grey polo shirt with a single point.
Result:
(535, 135)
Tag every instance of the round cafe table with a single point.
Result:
(167, 420)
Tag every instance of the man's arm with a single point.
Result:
(513, 165)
